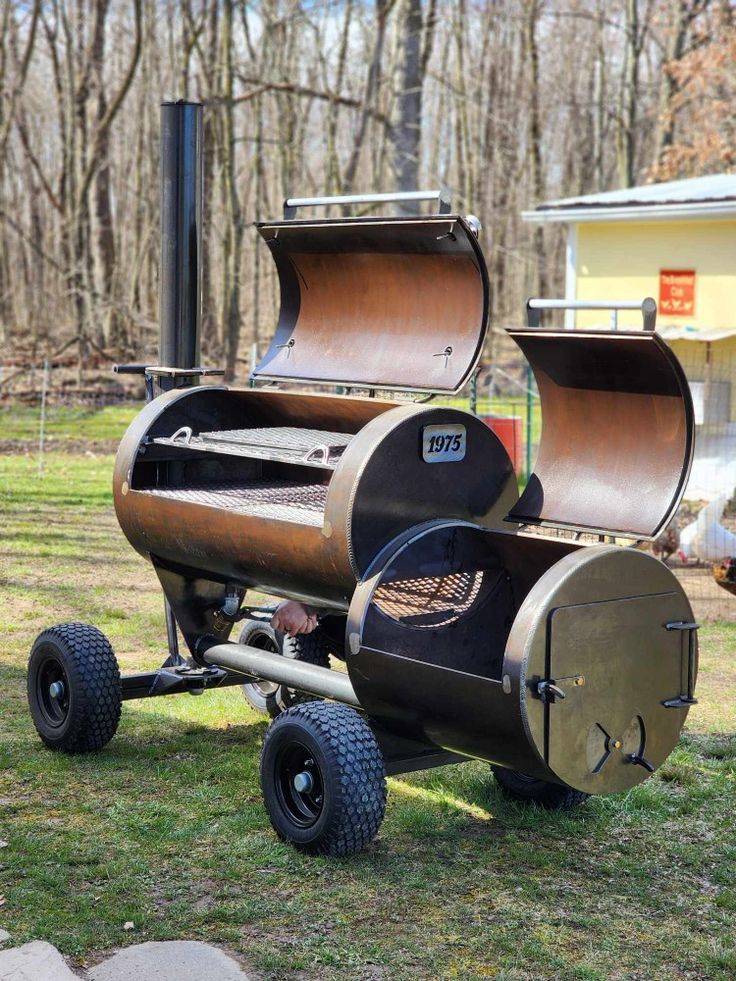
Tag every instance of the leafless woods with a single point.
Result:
(506, 102)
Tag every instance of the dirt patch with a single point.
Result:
(20, 447)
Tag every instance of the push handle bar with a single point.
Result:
(647, 306)
(441, 194)
(130, 369)
(174, 376)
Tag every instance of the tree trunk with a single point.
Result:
(535, 140)
(234, 217)
(408, 128)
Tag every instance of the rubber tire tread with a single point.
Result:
(94, 680)
(304, 647)
(352, 767)
(308, 647)
(553, 796)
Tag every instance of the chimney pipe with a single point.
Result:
(181, 234)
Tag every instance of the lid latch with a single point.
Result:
(446, 354)
(289, 345)
(549, 692)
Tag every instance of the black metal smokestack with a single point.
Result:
(181, 233)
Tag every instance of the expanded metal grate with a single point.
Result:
(310, 447)
(282, 438)
(280, 500)
(431, 602)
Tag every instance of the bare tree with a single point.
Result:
(508, 103)
(417, 37)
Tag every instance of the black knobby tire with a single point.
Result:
(83, 715)
(304, 647)
(271, 698)
(341, 811)
(554, 796)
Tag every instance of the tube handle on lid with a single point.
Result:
(648, 307)
(441, 194)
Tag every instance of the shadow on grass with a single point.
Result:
(164, 747)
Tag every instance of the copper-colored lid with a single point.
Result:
(617, 432)
(391, 303)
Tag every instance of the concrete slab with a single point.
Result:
(170, 960)
(36, 961)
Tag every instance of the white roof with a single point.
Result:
(678, 332)
(696, 197)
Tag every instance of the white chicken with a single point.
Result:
(706, 538)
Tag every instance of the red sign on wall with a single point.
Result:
(677, 292)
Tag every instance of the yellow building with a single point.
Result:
(675, 242)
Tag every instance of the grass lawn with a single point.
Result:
(165, 827)
(66, 427)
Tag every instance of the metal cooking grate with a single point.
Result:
(281, 500)
(282, 438)
(431, 602)
(290, 444)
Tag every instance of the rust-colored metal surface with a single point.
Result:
(617, 432)
(284, 524)
(379, 303)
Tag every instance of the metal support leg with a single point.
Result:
(174, 659)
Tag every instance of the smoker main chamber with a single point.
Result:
(466, 628)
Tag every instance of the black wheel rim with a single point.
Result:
(53, 703)
(264, 642)
(302, 806)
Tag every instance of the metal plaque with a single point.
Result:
(443, 444)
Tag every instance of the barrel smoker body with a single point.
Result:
(473, 622)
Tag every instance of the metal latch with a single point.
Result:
(685, 698)
(549, 691)
(446, 354)
(288, 346)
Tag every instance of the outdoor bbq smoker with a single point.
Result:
(467, 629)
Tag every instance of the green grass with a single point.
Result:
(165, 827)
(65, 425)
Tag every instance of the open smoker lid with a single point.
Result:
(617, 432)
(396, 303)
